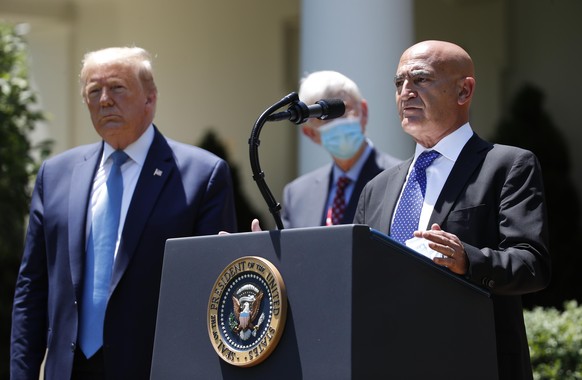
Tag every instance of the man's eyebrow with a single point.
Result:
(92, 84)
(412, 73)
(419, 72)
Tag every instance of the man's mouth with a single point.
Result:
(410, 110)
(108, 117)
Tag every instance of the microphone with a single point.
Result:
(299, 112)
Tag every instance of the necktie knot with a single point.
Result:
(425, 159)
(342, 182)
(119, 157)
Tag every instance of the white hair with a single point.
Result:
(328, 84)
(136, 57)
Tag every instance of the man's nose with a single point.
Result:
(407, 91)
(105, 98)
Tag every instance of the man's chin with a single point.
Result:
(410, 123)
(414, 128)
(109, 130)
(111, 125)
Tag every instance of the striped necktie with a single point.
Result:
(99, 260)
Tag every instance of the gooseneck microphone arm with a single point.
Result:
(298, 113)
(258, 174)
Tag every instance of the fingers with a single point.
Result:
(442, 241)
(449, 245)
(435, 227)
(255, 226)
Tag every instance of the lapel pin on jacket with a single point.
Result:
(158, 172)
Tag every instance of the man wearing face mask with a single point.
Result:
(329, 195)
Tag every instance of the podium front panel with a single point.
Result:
(359, 306)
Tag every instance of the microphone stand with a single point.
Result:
(254, 142)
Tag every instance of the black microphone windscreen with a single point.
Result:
(333, 108)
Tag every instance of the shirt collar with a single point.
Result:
(137, 150)
(451, 145)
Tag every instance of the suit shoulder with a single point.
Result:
(511, 154)
(388, 174)
(385, 161)
(73, 155)
(496, 151)
(510, 149)
(381, 178)
(319, 174)
(184, 151)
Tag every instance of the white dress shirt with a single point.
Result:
(130, 171)
(437, 173)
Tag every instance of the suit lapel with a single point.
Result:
(468, 161)
(369, 171)
(318, 196)
(79, 195)
(391, 193)
(155, 173)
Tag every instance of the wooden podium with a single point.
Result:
(360, 306)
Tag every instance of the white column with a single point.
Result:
(362, 39)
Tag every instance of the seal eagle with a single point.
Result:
(246, 310)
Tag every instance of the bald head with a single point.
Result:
(442, 55)
(434, 88)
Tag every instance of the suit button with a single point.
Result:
(73, 346)
(486, 281)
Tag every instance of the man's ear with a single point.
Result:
(364, 114)
(307, 131)
(151, 97)
(466, 90)
(311, 132)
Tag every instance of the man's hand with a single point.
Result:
(255, 227)
(449, 245)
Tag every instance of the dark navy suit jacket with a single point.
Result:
(190, 194)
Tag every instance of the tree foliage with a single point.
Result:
(18, 116)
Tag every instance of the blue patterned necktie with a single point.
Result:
(408, 210)
(99, 260)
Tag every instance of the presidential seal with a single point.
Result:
(247, 311)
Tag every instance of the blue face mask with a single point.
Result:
(342, 138)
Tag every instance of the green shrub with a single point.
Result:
(18, 117)
(555, 341)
